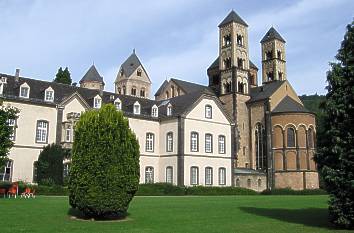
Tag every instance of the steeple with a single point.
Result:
(273, 57)
(92, 79)
(233, 17)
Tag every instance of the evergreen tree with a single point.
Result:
(6, 113)
(335, 157)
(63, 76)
(104, 173)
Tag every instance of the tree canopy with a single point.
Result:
(63, 76)
(335, 157)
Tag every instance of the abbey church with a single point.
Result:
(236, 131)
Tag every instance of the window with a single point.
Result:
(268, 55)
(194, 176)
(279, 54)
(118, 104)
(6, 172)
(208, 176)
(24, 92)
(169, 110)
(240, 63)
(68, 133)
(208, 143)
(149, 175)
(1, 88)
(249, 183)
(169, 142)
(49, 95)
(227, 63)
(244, 151)
(167, 95)
(221, 144)
(12, 124)
(222, 176)
(227, 40)
(291, 137)
(136, 108)
(97, 102)
(149, 145)
(124, 90)
(119, 90)
(270, 76)
(173, 91)
(138, 72)
(133, 91)
(142, 92)
(238, 182)
(42, 132)
(239, 40)
(310, 138)
(169, 175)
(280, 75)
(208, 112)
(261, 158)
(194, 142)
(66, 169)
(154, 111)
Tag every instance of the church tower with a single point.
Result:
(273, 57)
(92, 80)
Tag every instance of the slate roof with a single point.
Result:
(271, 35)
(92, 75)
(158, 92)
(233, 17)
(189, 87)
(131, 64)
(288, 104)
(264, 91)
(215, 64)
(180, 104)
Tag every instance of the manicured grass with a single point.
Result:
(176, 214)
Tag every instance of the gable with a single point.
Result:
(284, 90)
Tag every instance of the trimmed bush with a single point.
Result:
(160, 189)
(288, 191)
(104, 174)
(210, 191)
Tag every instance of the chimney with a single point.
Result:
(17, 74)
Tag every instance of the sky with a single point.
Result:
(172, 38)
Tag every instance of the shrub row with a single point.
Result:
(163, 189)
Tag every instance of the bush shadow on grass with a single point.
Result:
(313, 217)
(78, 215)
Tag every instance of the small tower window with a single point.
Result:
(270, 76)
(239, 40)
(240, 87)
(227, 40)
(240, 63)
(280, 75)
(124, 90)
(269, 55)
(133, 92)
(173, 91)
(227, 63)
(227, 87)
(119, 90)
(138, 73)
(279, 54)
(167, 95)
(142, 92)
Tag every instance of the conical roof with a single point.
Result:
(233, 17)
(272, 34)
(92, 75)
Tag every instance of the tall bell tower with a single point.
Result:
(273, 57)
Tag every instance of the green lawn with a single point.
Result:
(176, 214)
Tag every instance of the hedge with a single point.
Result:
(288, 191)
(211, 191)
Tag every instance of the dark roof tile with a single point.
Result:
(233, 17)
(288, 104)
(271, 35)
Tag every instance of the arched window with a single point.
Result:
(238, 183)
(169, 174)
(270, 76)
(119, 90)
(239, 40)
(279, 54)
(194, 175)
(136, 107)
(154, 111)
(169, 142)
(290, 137)
(227, 40)
(169, 110)
(208, 176)
(261, 158)
(310, 138)
(249, 183)
(167, 95)
(142, 92)
(194, 142)
(269, 55)
(6, 171)
(149, 144)
(173, 91)
(149, 175)
(208, 143)
(133, 91)
(222, 176)
(208, 111)
(124, 90)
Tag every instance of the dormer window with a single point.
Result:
(136, 108)
(97, 102)
(118, 104)
(24, 90)
(154, 111)
(169, 110)
(49, 94)
(138, 72)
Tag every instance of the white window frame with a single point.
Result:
(149, 175)
(22, 87)
(118, 104)
(169, 175)
(149, 142)
(8, 167)
(208, 176)
(222, 176)
(12, 123)
(208, 143)
(136, 108)
(169, 142)
(194, 141)
(154, 111)
(97, 102)
(42, 131)
(194, 175)
(222, 144)
(49, 95)
(68, 134)
(169, 110)
(208, 111)
(1, 88)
